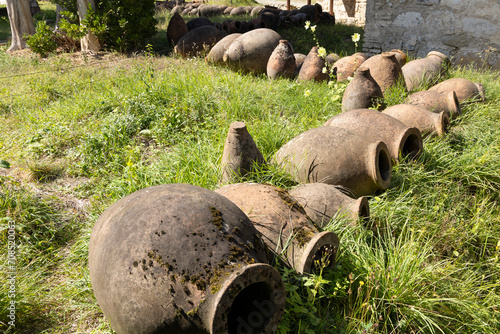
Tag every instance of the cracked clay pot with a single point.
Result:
(178, 258)
(324, 202)
(337, 156)
(400, 139)
(284, 225)
(437, 102)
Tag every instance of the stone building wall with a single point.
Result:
(467, 30)
(347, 11)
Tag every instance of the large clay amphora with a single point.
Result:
(241, 154)
(385, 69)
(313, 67)
(466, 90)
(281, 63)
(401, 140)
(346, 66)
(337, 156)
(437, 102)
(429, 123)
(251, 51)
(324, 202)
(216, 54)
(176, 29)
(178, 258)
(198, 41)
(362, 92)
(284, 225)
(425, 70)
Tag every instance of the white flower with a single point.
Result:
(323, 70)
(308, 23)
(322, 52)
(313, 28)
(349, 78)
(356, 37)
(307, 93)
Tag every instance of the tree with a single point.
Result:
(21, 22)
(89, 42)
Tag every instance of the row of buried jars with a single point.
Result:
(178, 258)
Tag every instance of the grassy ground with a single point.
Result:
(81, 133)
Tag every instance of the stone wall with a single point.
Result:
(468, 31)
(347, 11)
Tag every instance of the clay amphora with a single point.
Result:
(299, 60)
(337, 156)
(208, 10)
(313, 67)
(283, 223)
(385, 69)
(400, 56)
(256, 23)
(177, 9)
(313, 12)
(216, 54)
(425, 70)
(251, 51)
(198, 41)
(176, 29)
(331, 59)
(178, 258)
(346, 66)
(270, 19)
(323, 202)
(242, 26)
(362, 92)
(238, 11)
(429, 123)
(401, 140)
(198, 22)
(256, 10)
(240, 153)
(228, 10)
(229, 26)
(437, 102)
(466, 90)
(281, 63)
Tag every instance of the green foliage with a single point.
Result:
(42, 42)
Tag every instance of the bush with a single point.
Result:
(122, 25)
(42, 42)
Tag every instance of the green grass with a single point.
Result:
(82, 133)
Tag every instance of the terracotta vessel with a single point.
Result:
(324, 202)
(437, 102)
(313, 12)
(331, 59)
(362, 92)
(176, 29)
(299, 60)
(228, 10)
(178, 258)
(337, 156)
(242, 26)
(271, 19)
(240, 153)
(281, 63)
(198, 22)
(238, 11)
(198, 41)
(346, 66)
(313, 67)
(466, 90)
(256, 23)
(400, 56)
(251, 51)
(401, 140)
(216, 54)
(425, 70)
(256, 10)
(208, 10)
(229, 26)
(284, 225)
(429, 123)
(385, 69)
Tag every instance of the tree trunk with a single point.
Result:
(21, 22)
(89, 42)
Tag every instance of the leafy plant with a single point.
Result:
(42, 42)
